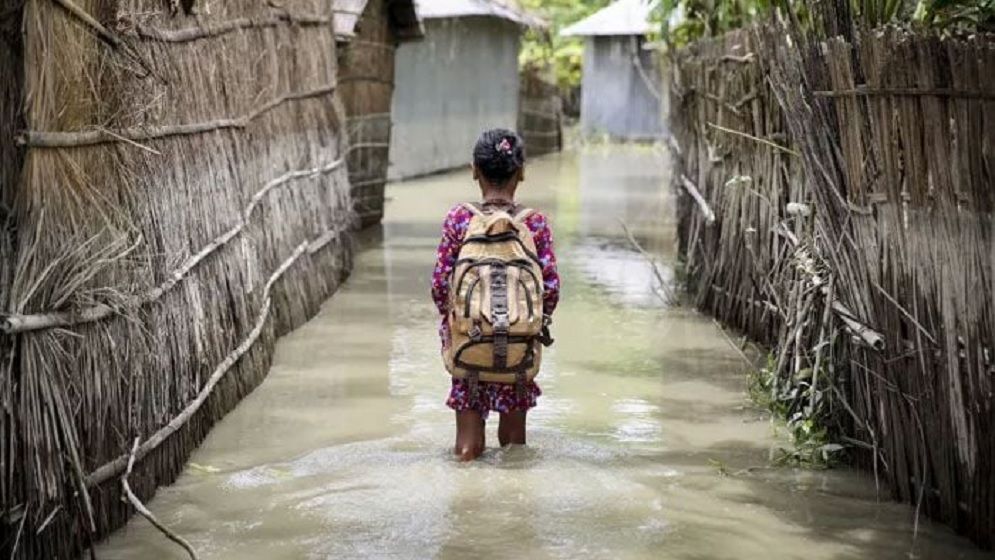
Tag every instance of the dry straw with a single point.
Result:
(851, 183)
(367, 82)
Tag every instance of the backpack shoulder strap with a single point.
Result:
(473, 208)
(522, 215)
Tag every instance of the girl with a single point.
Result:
(498, 168)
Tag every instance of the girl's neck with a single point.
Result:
(505, 197)
(499, 200)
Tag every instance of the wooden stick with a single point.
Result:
(224, 27)
(863, 91)
(692, 189)
(55, 139)
(732, 343)
(670, 298)
(22, 323)
(103, 33)
(763, 141)
(131, 498)
(747, 58)
(89, 21)
(111, 469)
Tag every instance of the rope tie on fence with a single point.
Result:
(16, 323)
(53, 139)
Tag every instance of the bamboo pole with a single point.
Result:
(692, 189)
(224, 27)
(53, 139)
(864, 91)
(112, 468)
(131, 498)
(17, 323)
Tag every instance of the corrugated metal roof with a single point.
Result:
(437, 9)
(624, 17)
(403, 18)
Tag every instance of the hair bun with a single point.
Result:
(499, 153)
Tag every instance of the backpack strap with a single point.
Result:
(522, 215)
(473, 208)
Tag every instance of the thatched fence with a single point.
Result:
(837, 200)
(174, 201)
(366, 72)
(540, 114)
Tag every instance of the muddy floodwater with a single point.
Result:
(345, 450)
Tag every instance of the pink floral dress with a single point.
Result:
(491, 396)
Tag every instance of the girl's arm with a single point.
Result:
(453, 230)
(543, 237)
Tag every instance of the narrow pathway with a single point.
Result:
(344, 452)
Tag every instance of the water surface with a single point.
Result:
(345, 450)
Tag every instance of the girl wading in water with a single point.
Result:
(496, 286)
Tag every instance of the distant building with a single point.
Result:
(367, 33)
(460, 79)
(621, 90)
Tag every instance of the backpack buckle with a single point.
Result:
(475, 332)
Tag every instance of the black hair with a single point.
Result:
(498, 154)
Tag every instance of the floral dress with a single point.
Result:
(499, 397)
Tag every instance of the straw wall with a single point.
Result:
(838, 207)
(178, 203)
(367, 74)
(540, 114)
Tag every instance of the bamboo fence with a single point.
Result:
(838, 208)
(176, 198)
(540, 114)
(366, 63)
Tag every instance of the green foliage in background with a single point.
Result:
(546, 49)
(683, 21)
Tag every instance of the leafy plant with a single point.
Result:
(546, 49)
(972, 14)
(808, 427)
(683, 21)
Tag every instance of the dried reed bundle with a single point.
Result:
(367, 78)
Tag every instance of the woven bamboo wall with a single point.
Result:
(851, 188)
(367, 74)
(540, 114)
(179, 202)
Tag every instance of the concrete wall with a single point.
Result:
(461, 79)
(615, 99)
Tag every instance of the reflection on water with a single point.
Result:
(344, 451)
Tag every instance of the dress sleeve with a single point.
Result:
(543, 237)
(453, 230)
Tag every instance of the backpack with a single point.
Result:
(495, 302)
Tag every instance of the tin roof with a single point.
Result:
(403, 18)
(623, 17)
(504, 9)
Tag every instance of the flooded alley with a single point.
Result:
(644, 443)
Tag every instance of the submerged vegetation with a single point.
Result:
(804, 408)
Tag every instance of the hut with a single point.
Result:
(463, 77)
(368, 32)
(173, 197)
(620, 89)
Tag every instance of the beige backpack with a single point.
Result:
(495, 302)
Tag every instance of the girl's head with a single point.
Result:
(499, 159)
